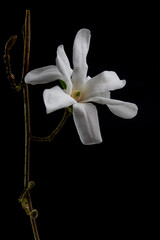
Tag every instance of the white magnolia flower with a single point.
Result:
(81, 90)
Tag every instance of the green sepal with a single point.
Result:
(63, 84)
(70, 109)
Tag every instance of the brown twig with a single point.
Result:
(26, 201)
(25, 198)
(11, 78)
(50, 137)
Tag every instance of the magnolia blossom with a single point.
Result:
(81, 90)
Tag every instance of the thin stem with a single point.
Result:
(26, 98)
(27, 38)
(55, 131)
(11, 78)
(27, 136)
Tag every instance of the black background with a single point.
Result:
(85, 191)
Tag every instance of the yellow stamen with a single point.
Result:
(76, 95)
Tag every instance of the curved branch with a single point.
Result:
(11, 78)
(50, 137)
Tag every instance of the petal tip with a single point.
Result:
(133, 111)
(29, 79)
(123, 82)
(84, 32)
(60, 47)
(92, 143)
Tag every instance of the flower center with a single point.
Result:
(76, 95)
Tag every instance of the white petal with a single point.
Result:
(120, 108)
(43, 75)
(55, 98)
(80, 51)
(107, 80)
(86, 120)
(61, 53)
(64, 68)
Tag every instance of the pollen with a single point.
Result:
(76, 95)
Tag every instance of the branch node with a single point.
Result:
(24, 200)
(31, 184)
(11, 78)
